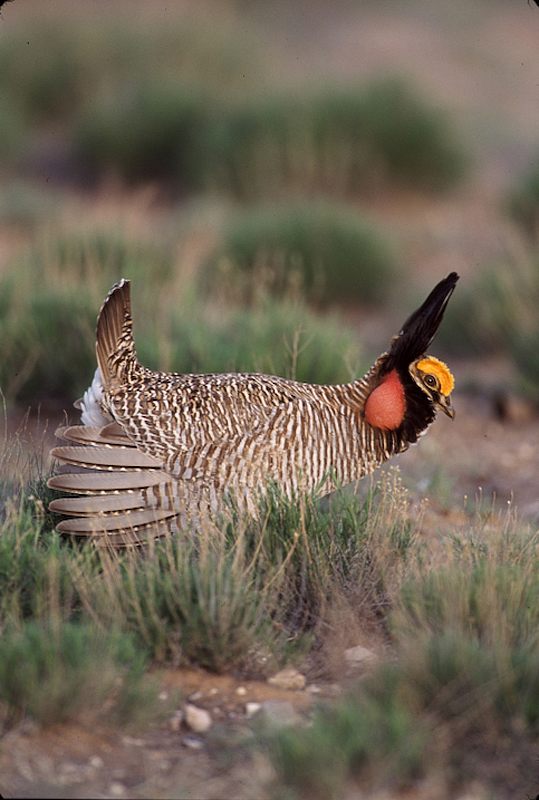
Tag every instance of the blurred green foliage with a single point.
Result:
(322, 251)
(342, 142)
(523, 202)
(47, 324)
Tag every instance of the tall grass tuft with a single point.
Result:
(242, 594)
(323, 252)
(462, 689)
(58, 673)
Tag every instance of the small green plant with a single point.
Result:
(58, 673)
(324, 252)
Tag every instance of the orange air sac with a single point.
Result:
(386, 405)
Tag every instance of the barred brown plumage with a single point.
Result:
(155, 451)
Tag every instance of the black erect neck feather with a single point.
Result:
(411, 343)
(420, 328)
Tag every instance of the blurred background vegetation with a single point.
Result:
(273, 189)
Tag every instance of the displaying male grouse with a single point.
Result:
(156, 450)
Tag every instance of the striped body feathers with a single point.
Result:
(155, 451)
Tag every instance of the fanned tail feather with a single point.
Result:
(122, 495)
(115, 348)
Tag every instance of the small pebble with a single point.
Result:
(288, 679)
(252, 708)
(198, 719)
(193, 742)
(117, 789)
(241, 690)
(96, 762)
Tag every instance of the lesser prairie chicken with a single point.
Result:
(155, 449)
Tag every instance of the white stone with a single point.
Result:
(241, 690)
(252, 708)
(192, 742)
(288, 679)
(96, 762)
(198, 719)
(117, 789)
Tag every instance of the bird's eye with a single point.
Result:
(430, 380)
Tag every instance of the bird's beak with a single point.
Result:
(445, 404)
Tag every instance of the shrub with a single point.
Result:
(55, 674)
(55, 66)
(35, 562)
(341, 141)
(47, 345)
(151, 132)
(47, 328)
(412, 141)
(325, 252)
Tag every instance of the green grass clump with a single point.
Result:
(54, 674)
(35, 563)
(238, 595)
(461, 692)
(47, 325)
(523, 203)
(199, 603)
(342, 141)
(282, 339)
(166, 124)
(46, 344)
(321, 251)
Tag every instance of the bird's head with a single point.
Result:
(434, 378)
